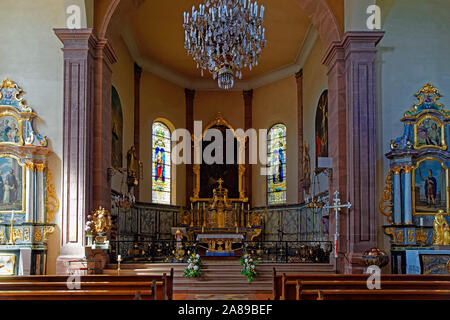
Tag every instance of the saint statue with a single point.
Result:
(132, 168)
(306, 169)
(441, 230)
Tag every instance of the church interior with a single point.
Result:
(225, 149)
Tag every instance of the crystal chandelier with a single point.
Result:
(224, 37)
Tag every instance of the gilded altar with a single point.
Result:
(219, 223)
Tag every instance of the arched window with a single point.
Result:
(161, 163)
(276, 157)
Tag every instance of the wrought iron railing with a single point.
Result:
(166, 251)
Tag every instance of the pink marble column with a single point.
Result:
(104, 58)
(337, 140)
(77, 162)
(86, 137)
(360, 51)
(352, 142)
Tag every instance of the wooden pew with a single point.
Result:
(75, 295)
(366, 294)
(163, 284)
(284, 286)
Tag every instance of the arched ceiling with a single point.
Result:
(155, 37)
(157, 27)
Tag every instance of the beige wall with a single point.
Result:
(160, 99)
(315, 81)
(39, 72)
(277, 103)
(123, 81)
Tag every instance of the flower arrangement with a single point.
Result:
(89, 227)
(248, 267)
(194, 268)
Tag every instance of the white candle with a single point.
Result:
(12, 216)
(119, 257)
(421, 222)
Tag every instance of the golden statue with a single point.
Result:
(441, 230)
(220, 206)
(101, 220)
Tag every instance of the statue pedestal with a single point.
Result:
(96, 258)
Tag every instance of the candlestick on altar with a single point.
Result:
(337, 207)
(119, 260)
(11, 229)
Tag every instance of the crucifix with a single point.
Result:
(337, 207)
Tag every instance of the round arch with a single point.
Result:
(318, 11)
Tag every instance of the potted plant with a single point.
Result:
(248, 267)
(194, 268)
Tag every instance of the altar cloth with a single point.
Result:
(413, 259)
(220, 236)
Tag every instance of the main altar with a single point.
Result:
(220, 218)
(220, 224)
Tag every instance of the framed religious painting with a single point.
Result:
(429, 132)
(12, 184)
(10, 129)
(430, 187)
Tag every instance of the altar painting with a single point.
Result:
(11, 184)
(117, 130)
(10, 130)
(430, 182)
(321, 127)
(429, 132)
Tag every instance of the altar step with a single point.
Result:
(221, 277)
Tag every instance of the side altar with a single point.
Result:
(219, 224)
(416, 193)
(27, 195)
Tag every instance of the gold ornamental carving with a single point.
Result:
(37, 235)
(47, 231)
(385, 205)
(52, 202)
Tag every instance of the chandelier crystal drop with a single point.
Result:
(224, 37)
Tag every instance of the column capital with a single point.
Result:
(74, 38)
(248, 96)
(408, 169)
(396, 170)
(189, 93)
(334, 53)
(137, 70)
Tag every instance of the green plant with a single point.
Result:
(194, 268)
(248, 267)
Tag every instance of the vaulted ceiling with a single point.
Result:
(159, 34)
(155, 37)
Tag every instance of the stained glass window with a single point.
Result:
(161, 178)
(276, 158)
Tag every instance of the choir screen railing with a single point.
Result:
(291, 233)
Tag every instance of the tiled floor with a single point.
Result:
(178, 296)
